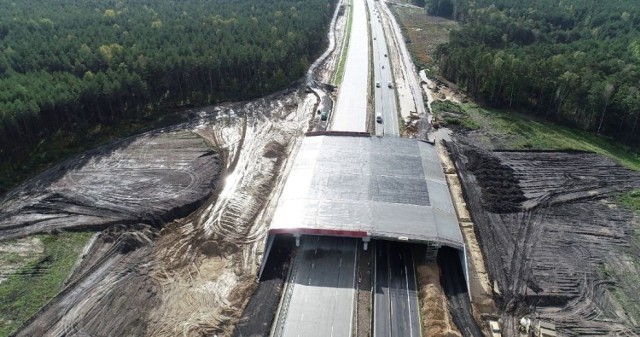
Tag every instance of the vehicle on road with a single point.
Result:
(385, 55)
(324, 115)
(377, 84)
(495, 329)
(379, 118)
(390, 85)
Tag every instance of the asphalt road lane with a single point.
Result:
(323, 289)
(395, 298)
(385, 96)
(406, 61)
(351, 109)
(381, 313)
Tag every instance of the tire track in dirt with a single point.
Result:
(194, 276)
(545, 257)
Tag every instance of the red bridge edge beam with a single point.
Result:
(338, 133)
(316, 231)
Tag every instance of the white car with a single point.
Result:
(495, 329)
(379, 118)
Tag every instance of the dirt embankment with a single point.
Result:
(434, 308)
(195, 275)
(549, 255)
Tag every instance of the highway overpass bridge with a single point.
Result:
(356, 185)
(346, 189)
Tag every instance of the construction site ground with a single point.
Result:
(182, 218)
(181, 215)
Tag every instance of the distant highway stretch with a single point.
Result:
(320, 298)
(350, 112)
(395, 298)
(385, 93)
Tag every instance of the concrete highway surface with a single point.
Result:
(406, 62)
(320, 298)
(385, 93)
(351, 109)
(395, 301)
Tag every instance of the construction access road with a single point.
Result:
(319, 300)
(396, 299)
(385, 98)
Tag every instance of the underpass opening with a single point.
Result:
(320, 295)
(455, 288)
(400, 285)
(261, 309)
(395, 291)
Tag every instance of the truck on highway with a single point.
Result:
(324, 115)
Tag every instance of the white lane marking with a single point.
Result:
(353, 285)
(389, 289)
(406, 273)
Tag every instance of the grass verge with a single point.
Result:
(453, 114)
(526, 132)
(631, 200)
(39, 279)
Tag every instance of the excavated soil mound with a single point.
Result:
(436, 319)
(147, 179)
(500, 190)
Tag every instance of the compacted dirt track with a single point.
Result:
(551, 235)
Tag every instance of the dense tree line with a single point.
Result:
(573, 61)
(75, 62)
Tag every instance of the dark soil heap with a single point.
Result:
(500, 190)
